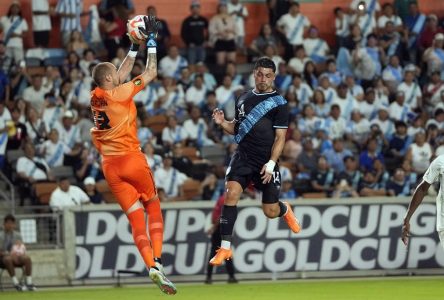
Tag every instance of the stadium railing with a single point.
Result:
(41, 231)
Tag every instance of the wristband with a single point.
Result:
(151, 43)
(132, 53)
(269, 167)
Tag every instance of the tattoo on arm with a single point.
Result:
(151, 62)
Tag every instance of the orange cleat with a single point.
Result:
(291, 219)
(221, 255)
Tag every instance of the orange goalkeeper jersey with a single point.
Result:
(114, 112)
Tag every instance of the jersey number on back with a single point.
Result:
(101, 120)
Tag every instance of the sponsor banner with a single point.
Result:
(340, 237)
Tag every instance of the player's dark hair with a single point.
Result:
(9, 217)
(265, 62)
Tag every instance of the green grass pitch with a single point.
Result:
(426, 288)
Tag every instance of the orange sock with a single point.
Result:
(155, 225)
(137, 222)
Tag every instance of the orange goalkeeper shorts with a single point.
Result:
(129, 178)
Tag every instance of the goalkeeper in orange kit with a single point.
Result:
(124, 165)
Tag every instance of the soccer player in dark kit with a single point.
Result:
(259, 127)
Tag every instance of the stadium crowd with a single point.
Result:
(367, 112)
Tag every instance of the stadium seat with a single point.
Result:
(314, 195)
(191, 153)
(43, 191)
(156, 123)
(215, 154)
(103, 188)
(191, 190)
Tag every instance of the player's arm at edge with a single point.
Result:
(228, 126)
(126, 66)
(419, 194)
(150, 72)
(279, 143)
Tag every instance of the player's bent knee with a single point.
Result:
(271, 211)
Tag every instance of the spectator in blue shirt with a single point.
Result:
(369, 155)
(335, 156)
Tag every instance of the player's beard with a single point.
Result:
(262, 87)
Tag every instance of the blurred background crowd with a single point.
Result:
(366, 107)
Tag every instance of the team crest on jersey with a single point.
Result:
(241, 111)
(137, 82)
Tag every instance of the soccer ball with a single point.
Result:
(133, 28)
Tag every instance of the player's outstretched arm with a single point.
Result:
(127, 65)
(219, 119)
(418, 196)
(150, 31)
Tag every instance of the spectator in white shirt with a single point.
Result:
(298, 61)
(420, 153)
(69, 132)
(301, 89)
(35, 94)
(383, 121)
(369, 107)
(364, 17)
(358, 127)
(196, 128)
(170, 95)
(173, 133)
(317, 49)
(398, 110)
(54, 150)
(41, 22)
(293, 25)
(225, 95)
(347, 103)
(67, 195)
(240, 13)
(172, 64)
(154, 160)
(392, 74)
(389, 15)
(209, 80)
(411, 89)
(195, 94)
(30, 169)
(14, 26)
(169, 180)
(342, 26)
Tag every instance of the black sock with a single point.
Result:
(283, 208)
(227, 220)
(158, 260)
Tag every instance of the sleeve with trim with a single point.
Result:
(281, 117)
(433, 172)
